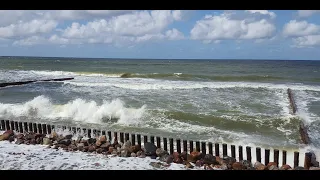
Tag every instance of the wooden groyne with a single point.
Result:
(28, 82)
(169, 144)
(302, 128)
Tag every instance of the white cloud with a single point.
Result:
(229, 25)
(307, 13)
(307, 41)
(174, 34)
(263, 12)
(300, 28)
(27, 28)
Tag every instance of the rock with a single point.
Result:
(80, 145)
(273, 167)
(229, 161)
(199, 163)
(259, 166)
(176, 158)
(9, 132)
(155, 164)
(62, 146)
(314, 168)
(246, 164)
(69, 136)
(224, 166)
(91, 141)
(118, 150)
(207, 167)
(135, 148)
(85, 142)
(150, 149)
(66, 142)
(299, 168)
(160, 152)
(91, 148)
(209, 159)
(111, 149)
(124, 153)
(220, 161)
(271, 164)
(117, 146)
(11, 139)
(139, 153)
(184, 155)
(99, 150)
(133, 154)
(285, 167)
(19, 141)
(46, 141)
(54, 135)
(33, 141)
(98, 143)
(39, 140)
(114, 152)
(142, 155)
(4, 137)
(169, 159)
(163, 158)
(237, 166)
(126, 145)
(38, 135)
(20, 136)
(194, 156)
(188, 165)
(314, 162)
(153, 157)
(103, 139)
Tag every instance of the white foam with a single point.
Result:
(78, 110)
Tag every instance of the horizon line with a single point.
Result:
(74, 57)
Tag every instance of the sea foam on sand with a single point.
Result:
(38, 157)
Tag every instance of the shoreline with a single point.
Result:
(103, 151)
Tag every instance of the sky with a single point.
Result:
(162, 34)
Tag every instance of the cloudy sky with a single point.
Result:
(252, 34)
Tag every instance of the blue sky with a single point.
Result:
(209, 34)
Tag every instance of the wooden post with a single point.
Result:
(152, 139)
(12, 125)
(258, 154)
(20, 127)
(49, 128)
(203, 148)
(165, 144)
(266, 156)
(44, 128)
(171, 145)
(158, 142)
(185, 146)
(296, 159)
(198, 146)
(284, 157)
(276, 156)
(216, 149)
(233, 151)
(139, 139)
(191, 146)
(16, 126)
(307, 160)
(7, 125)
(74, 130)
(210, 148)
(178, 141)
(127, 136)
(145, 139)
(3, 125)
(39, 128)
(240, 153)
(94, 133)
(89, 133)
(133, 139)
(98, 133)
(35, 129)
(115, 135)
(30, 127)
(224, 150)
(248, 149)
(109, 135)
(103, 132)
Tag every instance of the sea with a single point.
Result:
(221, 101)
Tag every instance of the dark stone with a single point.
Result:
(91, 141)
(66, 142)
(99, 150)
(299, 168)
(194, 156)
(69, 136)
(150, 149)
(20, 136)
(29, 136)
(246, 164)
(19, 141)
(106, 146)
(9, 132)
(135, 148)
(153, 157)
(184, 156)
(11, 139)
(199, 163)
(285, 167)
(209, 159)
(169, 159)
(91, 148)
(33, 141)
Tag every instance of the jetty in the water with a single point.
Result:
(302, 128)
(28, 82)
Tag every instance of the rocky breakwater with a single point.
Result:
(100, 145)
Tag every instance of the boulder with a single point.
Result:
(237, 166)
(209, 159)
(150, 149)
(285, 167)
